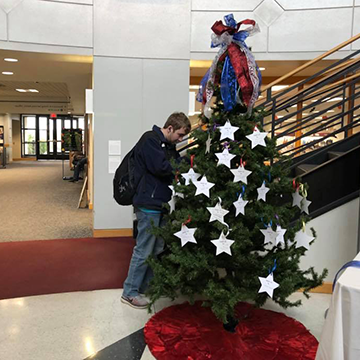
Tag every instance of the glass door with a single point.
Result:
(42, 135)
(28, 135)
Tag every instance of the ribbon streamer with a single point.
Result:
(353, 263)
(240, 78)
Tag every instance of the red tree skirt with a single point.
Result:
(185, 332)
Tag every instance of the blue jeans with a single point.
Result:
(147, 244)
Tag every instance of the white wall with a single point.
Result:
(5, 120)
(336, 242)
(130, 96)
(290, 29)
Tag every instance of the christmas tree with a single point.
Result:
(232, 234)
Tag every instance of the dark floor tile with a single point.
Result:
(128, 348)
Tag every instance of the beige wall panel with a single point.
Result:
(86, 2)
(3, 21)
(313, 4)
(227, 5)
(52, 23)
(356, 44)
(202, 22)
(310, 30)
(145, 29)
(16, 138)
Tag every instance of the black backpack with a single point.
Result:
(124, 179)
(124, 182)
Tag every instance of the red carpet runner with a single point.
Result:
(55, 266)
(185, 332)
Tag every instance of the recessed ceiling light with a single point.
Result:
(21, 90)
(33, 90)
(7, 73)
(261, 68)
(11, 59)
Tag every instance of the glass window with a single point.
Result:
(74, 124)
(43, 135)
(81, 123)
(58, 129)
(51, 130)
(29, 136)
(58, 147)
(51, 147)
(43, 148)
(43, 123)
(29, 149)
(30, 122)
(67, 124)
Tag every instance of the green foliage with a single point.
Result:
(225, 280)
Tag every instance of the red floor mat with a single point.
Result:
(55, 266)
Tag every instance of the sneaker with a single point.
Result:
(137, 302)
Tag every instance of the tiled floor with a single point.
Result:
(74, 326)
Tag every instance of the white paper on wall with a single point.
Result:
(114, 147)
(114, 162)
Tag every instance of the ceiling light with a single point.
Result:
(21, 90)
(194, 87)
(11, 60)
(261, 68)
(7, 73)
(330, 111)
(33, 90)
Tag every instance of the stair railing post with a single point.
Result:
(350, 109)
(273, 118)
(299, 116)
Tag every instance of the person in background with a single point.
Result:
(153, 174)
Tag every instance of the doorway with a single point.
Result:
(42, 135)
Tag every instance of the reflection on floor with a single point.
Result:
(74, 326)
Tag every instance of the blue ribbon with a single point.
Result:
(204, 80)
(273, 268)
(266, 225)
(269, 177)
(354, 263)
(229, 85)
(230, 21)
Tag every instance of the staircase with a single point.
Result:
(316, 123)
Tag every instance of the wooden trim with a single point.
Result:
(25, 159)
(98, 233)
(325, 288)
(309, 63)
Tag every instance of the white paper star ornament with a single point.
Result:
(186, 235)
(268, 285)
(203, 187)
(172, 204)
(270, 235)
(280, 232)
(208, 144)
(257, 138)
(302, 239)
(191, 175)
(262, 191)
(217, 213)
(240, 174)
(224, 158)
(223, 244)
(305, 205)
(240, 204)
(227, 131)
(297, 199)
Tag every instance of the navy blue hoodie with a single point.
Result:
(153, 171)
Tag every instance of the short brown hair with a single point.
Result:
(178, 120)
